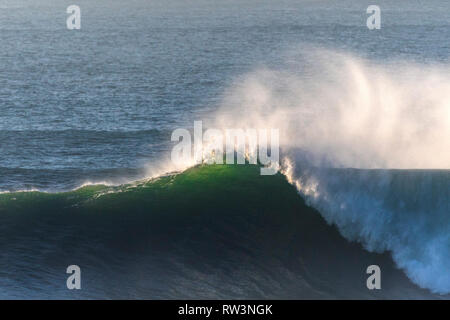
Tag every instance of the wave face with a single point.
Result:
(209, 232)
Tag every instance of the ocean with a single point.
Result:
(86, 118)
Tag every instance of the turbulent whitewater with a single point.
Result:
(403, 211)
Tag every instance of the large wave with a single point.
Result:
(219, 231)
(366, 144)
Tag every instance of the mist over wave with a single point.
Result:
(344, 112)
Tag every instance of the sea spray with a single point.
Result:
(345, 112)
